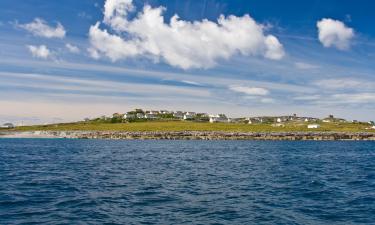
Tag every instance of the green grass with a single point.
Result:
(193, 126)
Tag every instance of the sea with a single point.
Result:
(66, 181)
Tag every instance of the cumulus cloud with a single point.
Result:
(183, 44)
(249, 90)
(72, 48)
(40, 28)
(334, 33)
(39, 51)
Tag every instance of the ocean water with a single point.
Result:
(59, 181)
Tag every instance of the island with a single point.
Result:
(178, 125)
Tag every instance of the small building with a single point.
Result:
(150, 116)
(188, 117)
(220, 118)
(8, 125)
(178, 115)
(313, 126)
(140, 115)
(190, 113)
(129, 116)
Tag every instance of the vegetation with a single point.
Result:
(170, 125)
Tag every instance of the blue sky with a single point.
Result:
(67, 61)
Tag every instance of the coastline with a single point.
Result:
(192, 135)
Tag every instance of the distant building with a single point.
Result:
(219, 118)
(313, 126)
(151, 116)
(140, 115)
(164, 111)
(8, 125)
(191, 113)
(178, 115)
(129, 116)
(188, 117)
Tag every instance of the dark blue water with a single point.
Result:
(186, 182)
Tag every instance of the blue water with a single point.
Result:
(47, 181)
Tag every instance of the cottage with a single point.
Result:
(151, 116)
(313, 126)
(7, 125)
(188, 117)
(191, 113)
(178, 115)
(219, 118)
(129, 116)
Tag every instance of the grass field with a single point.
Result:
(194, 126)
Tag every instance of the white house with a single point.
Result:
(218, 118)
(191, 113)
(151, 116)
(279, 120)
(188, 117)
(313, 126)
(129, 116)
(140, 115)
(7, 125)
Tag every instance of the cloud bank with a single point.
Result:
(179, 43)
(334, 33)
(40, 28)
(41, 51)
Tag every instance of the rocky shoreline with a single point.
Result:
(192, 135)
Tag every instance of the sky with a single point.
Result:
(68, 60)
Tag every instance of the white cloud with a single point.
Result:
(334, 33)
(72, 48)
(305, 66)
(183, 44)
(40, 28)
(39, 51)
(249, 90)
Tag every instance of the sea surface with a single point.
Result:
(61, 181)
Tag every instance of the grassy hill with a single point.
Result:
(194, 126)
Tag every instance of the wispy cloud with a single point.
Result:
(249, 90)
(40, 28)
(305, 66)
